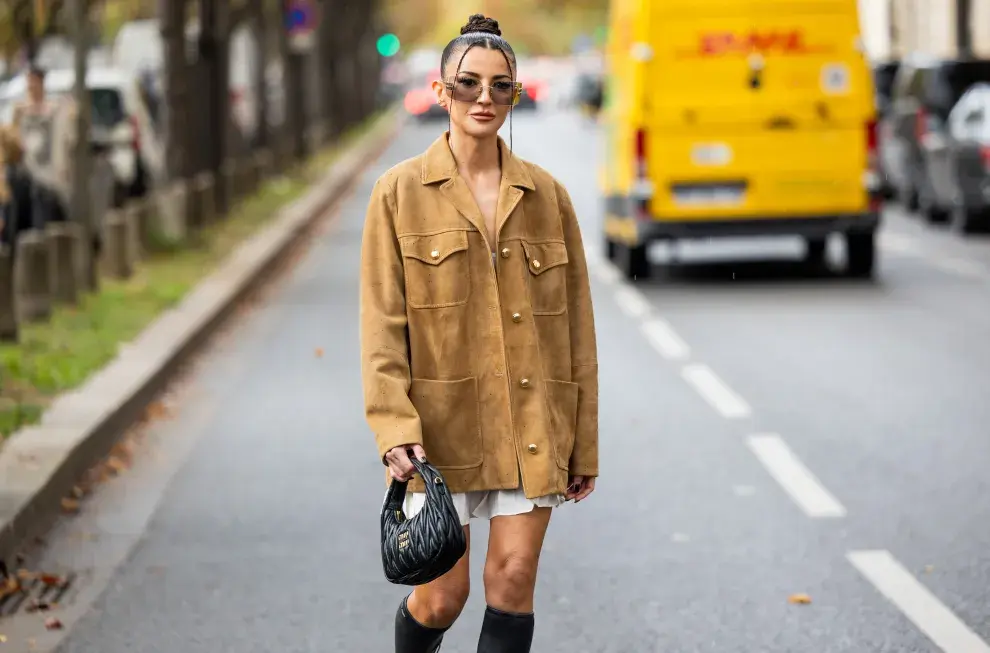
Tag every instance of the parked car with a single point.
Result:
(120, 123)
(925, 92)
(961, 172)
(884, 74)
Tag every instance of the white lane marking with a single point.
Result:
(632, 302)
(897, 243)
(664, 339)
(608, 273)
(919, 605)
(961, 267)
(802, 486)
(720, 396)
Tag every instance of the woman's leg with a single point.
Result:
(514, 546)
(426, 614)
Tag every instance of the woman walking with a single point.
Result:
(478, 343)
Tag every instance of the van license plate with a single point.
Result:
(709, 196)
(711, 154)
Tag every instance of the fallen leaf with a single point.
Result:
(3, 639)
(116, 464)
(319, 352)
(929, 569)
(53, 623)
(802, 599)
(78, 492)
(70, 506)
(9, 586)
(52, 580)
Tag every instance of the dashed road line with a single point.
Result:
(632, 302)
(917, 603)
(665, 340)
(715, 391)
(796, 479)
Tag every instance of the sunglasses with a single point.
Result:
(468, 89)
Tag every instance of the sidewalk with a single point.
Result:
(40, 465)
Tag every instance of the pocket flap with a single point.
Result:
(545, 255)
(435, 248)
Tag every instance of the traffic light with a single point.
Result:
(388, 45)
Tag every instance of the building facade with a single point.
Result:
(893, 28)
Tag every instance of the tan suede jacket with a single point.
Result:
(490, 365)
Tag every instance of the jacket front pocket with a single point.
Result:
(546, 262)
(562, 404)
(449, 415)
(436, 269)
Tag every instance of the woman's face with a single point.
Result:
(485, 71)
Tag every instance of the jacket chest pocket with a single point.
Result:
(547, 265)
(436, 269)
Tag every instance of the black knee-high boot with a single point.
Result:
(412, 636)
(506, 632)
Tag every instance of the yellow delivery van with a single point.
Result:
(728, 118)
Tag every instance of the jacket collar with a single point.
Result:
(439, 164)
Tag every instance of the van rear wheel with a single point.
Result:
(611, 249)
(633, 261)
(861, 248)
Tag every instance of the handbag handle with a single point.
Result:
(397, 489)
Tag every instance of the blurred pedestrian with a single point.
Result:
(46, 128)
(478, 342)
(15, 188)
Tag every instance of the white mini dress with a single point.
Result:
(485, 504)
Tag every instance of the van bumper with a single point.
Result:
(633, 231)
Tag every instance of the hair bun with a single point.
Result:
(479, 23)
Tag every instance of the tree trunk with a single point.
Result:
(260, 78)
(964, 34)
(173, 21)
(79, 197)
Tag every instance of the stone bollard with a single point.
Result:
(31, 291)
(8, 307)
(204, 198)
(116, 262)
(134, 215)
(228, 173)
(63, 264)
(171, 225)
(246, 175)
(263, 165)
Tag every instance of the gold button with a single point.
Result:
(532, 448)
(435, 254)
(516, 317)
(536, 264)
(524, 383)
(505, 253)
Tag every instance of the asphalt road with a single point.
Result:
(766, 432)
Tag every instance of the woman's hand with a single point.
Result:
(580, 487)
(399, 464)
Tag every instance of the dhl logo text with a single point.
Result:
(720, 44)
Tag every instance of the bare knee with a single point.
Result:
(439, 606)
(510, 582)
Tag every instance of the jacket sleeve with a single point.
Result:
(384, 349)
(584, 349)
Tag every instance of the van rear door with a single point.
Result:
(756, 109)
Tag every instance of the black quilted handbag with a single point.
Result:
(418, 550)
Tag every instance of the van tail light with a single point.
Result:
(641, 183)
(871, 143)
(985, 156)
(136, 141)
(920, 124)
(873, 167)
(641, 154)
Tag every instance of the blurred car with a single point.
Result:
(926, 89)
(884, 74)
(960, 172)
(532, 93)
(590, 93)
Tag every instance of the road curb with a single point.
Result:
(39, 465)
